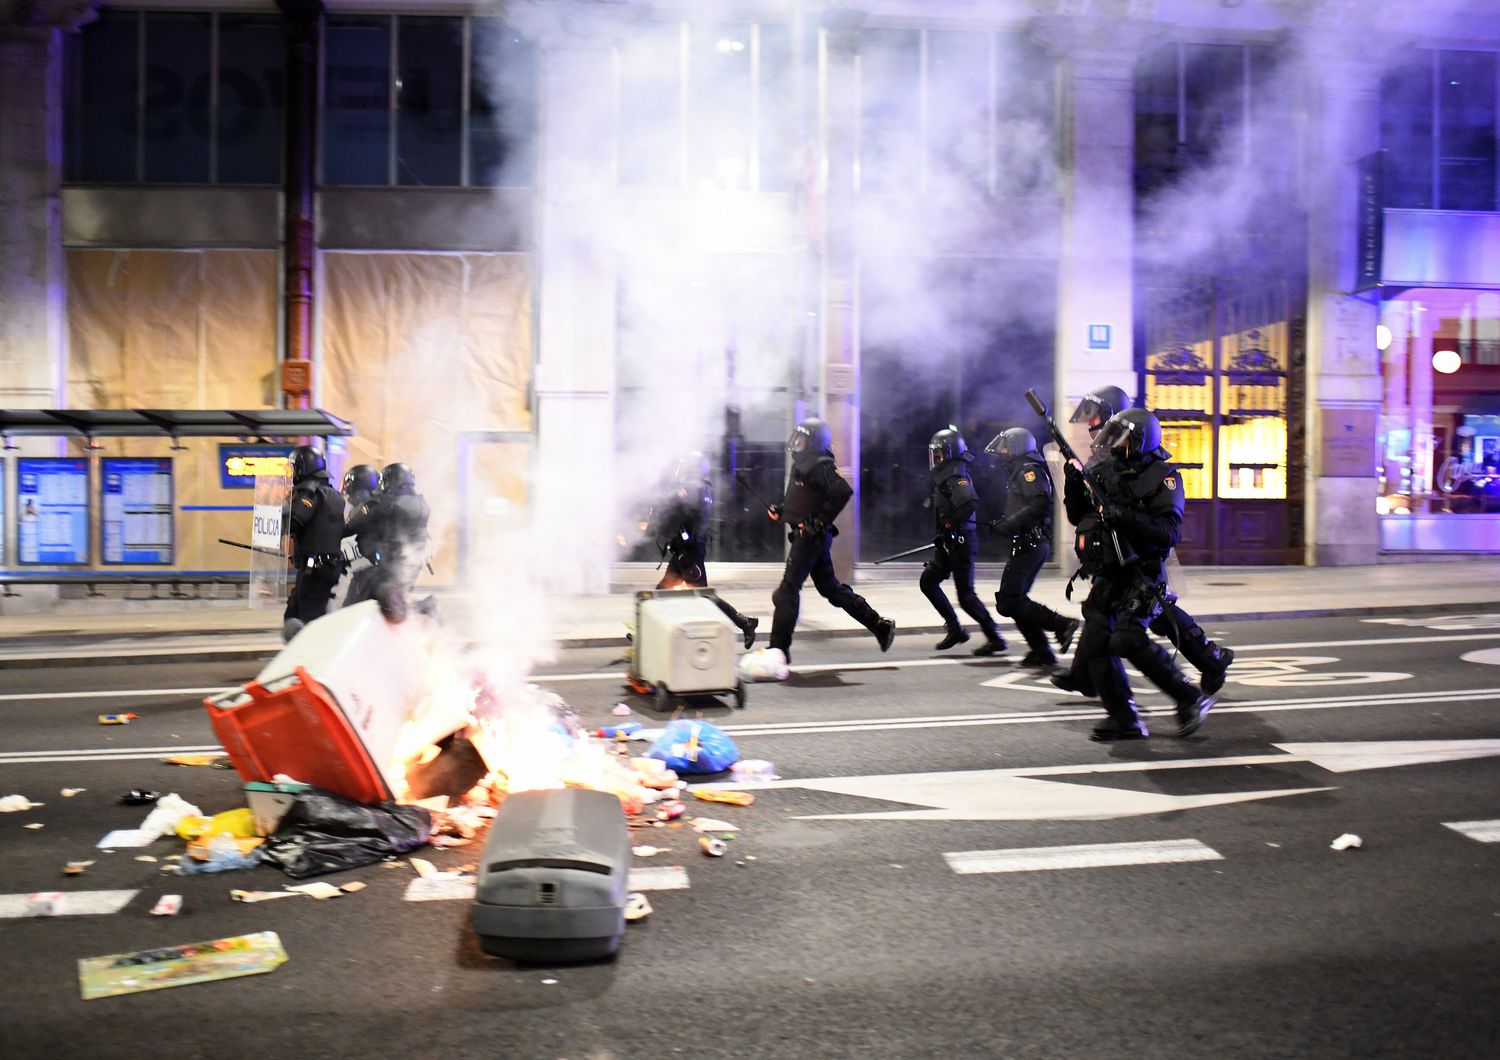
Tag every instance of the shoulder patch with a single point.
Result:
(963, 482)
(1029, 476)
(307, 502)
(1171, 482)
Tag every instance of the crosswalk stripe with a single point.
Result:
(659, 878)
(1484, 831)
(1083, 856)
(76, 903)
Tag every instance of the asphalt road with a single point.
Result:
(832, 931)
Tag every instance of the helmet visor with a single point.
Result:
(1115, 435)
(936, 454)
(797, 443)
(997, 445)
(1087, 409)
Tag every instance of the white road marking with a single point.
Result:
(1484, 656)
(1484, 831)
(104, 754)
(659, 878)
(77, 903)
(1083, 856)
(1354, 757)
(122, 693)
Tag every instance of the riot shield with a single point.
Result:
(271, 559)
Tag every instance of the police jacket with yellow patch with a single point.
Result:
(954, 500)
(316, 517)
(1142, 503)
(817, 497)
(1028, 499)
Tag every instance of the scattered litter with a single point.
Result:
(71, 903)
(125, 837)
(191, 760)
(34, 826)
(694, 747)
(619, 732)
(167, 905)
(449, 841)
(423, 867)
(708, 824)
(195, 962)
(621, 711)
(138, 797)
(144, 857)
(68, 793)
(440, 888)
(659, 878)
(117, 719)
(752, 771)
(17, 803)
(733, 798)
(324, 833)
(260, 896)
(767, 664)
(239, 822)
(549, 982)
(740, 864)
(647, 851)
(1347, 841)
(1276, 845)
(670, 811)
(714, 848)
(224, 855)
(353, 887)
(318, 889)
(637, 907)
(164, 817)
(203, 850)
(75, 868)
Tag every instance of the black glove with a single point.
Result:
(1116, 514)
(1069, 471)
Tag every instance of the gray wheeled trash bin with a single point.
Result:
(554, 878)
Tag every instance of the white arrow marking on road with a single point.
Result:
(1083, 856)
(1353, 757)
(1484, 656)
(1484, 831)
(77, 903)
(1016, 794)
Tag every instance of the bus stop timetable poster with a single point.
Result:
(52, 510)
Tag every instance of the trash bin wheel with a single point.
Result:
(662, 700)
(739, 695)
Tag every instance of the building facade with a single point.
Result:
(542, 248)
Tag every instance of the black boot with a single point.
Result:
(748, 627)
(1067, 633)
(993, 646)
(1043, 659)
(1190, 715)
(1126, 725)
(1219, 660)
(955, 635)
(885, 633)
(1069, 683)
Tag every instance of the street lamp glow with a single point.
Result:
(1446, 361)
(1382, 337)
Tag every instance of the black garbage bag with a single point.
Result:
(324, 833)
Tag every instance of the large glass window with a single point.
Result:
(250, 97)
(429, 101)
(1438, 119)
(502, 106)
(178, 86)
(103, 87)
(651, 108)
(357, 101)
(890, 130)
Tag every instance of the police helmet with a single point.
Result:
(1131, 433)
(361, 478)
(947, 444)
(1099, 405)
(692, 468)
(398, 478)
(1012, 443)
(307, 460)
(810, 441)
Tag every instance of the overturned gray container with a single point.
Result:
(554, 878)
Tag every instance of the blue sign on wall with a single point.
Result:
(135, 495)
(1098, 336)
(52, 510)
(239, 464)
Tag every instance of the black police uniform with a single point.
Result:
(1028, 523)
(1143, 505)
(815, 494)
(391, 531)
(681, 526)
(954, 503)
(316, 517)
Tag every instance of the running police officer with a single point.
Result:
(1027, 524)
(391, 530)
(315, 516)
(1173, 623)
(1125, 538)
(815, 494)
(360, 483)
(954, 503)
(681, 524)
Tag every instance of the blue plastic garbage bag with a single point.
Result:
(694, 747)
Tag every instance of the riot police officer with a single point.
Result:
(954, 502)
(315, 518)
(1126, 532)
(681, 525)
(1174, 622)
(815, 494)
(360, 483)
(1027, 523)
(391, 530)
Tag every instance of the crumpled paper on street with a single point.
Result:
(766, 664)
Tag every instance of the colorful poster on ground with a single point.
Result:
(193, 962)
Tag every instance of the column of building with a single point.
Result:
(1343, 361)
(33, 303)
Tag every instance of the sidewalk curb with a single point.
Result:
(148, 656)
